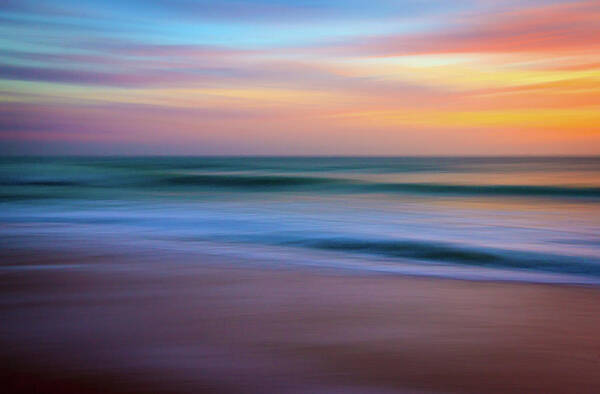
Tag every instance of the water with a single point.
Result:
(512, 218)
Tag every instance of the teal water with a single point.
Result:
(499, 218)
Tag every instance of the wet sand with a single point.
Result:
(169, 323)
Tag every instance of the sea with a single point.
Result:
(533, 219)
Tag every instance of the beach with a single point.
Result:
(299, 275)
(299, 197)
(152, 321)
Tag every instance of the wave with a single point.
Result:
(499, 190)
(49, 182)
(157, 180)
(455, 254)
(344, 185)
(250, 181)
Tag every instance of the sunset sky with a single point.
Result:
(300, 77)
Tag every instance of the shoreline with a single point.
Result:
(215, 326)
(54, 247)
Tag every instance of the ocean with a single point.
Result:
(534, 219)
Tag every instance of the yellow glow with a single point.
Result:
(175, 97)
(581, 120)
(460, 72)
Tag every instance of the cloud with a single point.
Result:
(142, 49)
(129, 77)
(278, 11)
(562, 27)
(114, 120)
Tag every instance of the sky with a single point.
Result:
(300, 77)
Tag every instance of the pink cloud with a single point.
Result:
(563, 27)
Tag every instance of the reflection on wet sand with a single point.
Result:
(101, 324)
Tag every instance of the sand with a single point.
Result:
(172, 323)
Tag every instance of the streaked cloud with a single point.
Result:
(302, 77)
